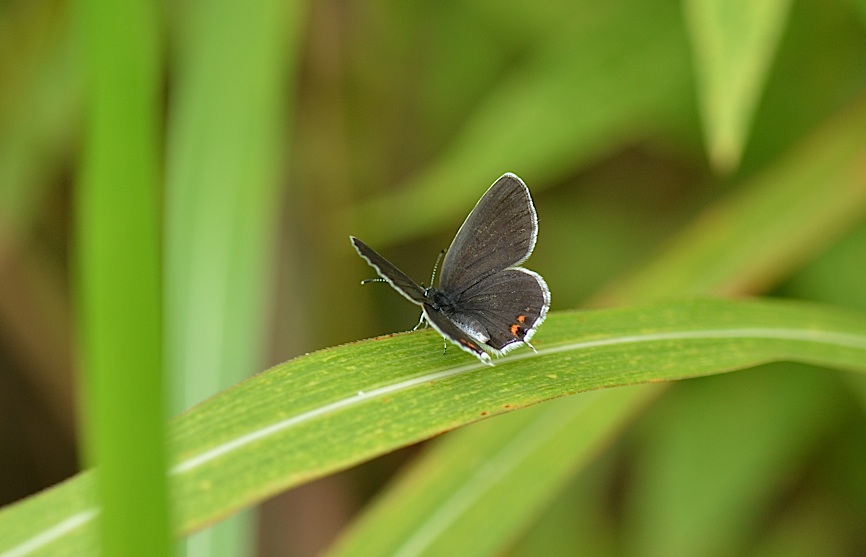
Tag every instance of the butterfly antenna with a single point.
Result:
(436, 267)
(377, 279)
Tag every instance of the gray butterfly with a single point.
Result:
(485, 301)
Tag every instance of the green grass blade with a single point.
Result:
(223, 174)
(119, 289)
(329, 410)
(226, 142)
(733, 44)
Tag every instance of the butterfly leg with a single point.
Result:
(421, 321)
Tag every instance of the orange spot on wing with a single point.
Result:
(521, 318)
(515, 329)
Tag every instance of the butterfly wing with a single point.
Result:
(455, 334)
(500, 232)
(388, 271)
(506, 307)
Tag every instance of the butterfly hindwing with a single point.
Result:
(455, 334)
(507, 307)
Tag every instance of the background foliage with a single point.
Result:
(671, 147)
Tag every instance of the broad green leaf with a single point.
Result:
(452, 488)
(733, 43)
(331, 409)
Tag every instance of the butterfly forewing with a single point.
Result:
(500, 232)
(388, 271)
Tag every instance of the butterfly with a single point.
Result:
(485, 302)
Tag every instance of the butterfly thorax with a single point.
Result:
(439, 300)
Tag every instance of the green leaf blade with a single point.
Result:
(444, 520)
(233, 451)
(329, 410)
(119, 294)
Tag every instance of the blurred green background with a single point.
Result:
(288, 126)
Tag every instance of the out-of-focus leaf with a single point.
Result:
(720, 438)
(571, 101)
(226, 146)
(733, 43)
(41, 91)
(822, 182)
